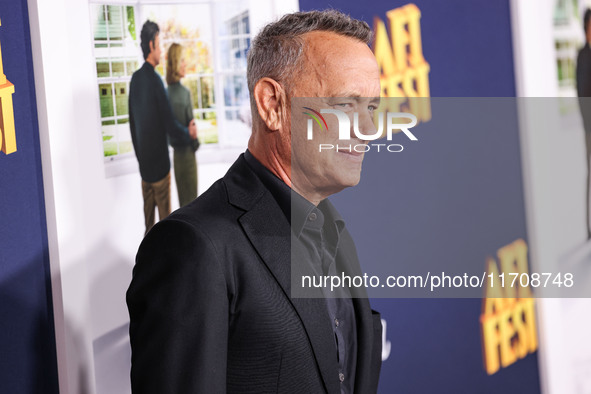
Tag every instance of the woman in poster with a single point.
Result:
(185, 163)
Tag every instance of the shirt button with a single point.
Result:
(312, 216)
(336, 322)
(341, 377)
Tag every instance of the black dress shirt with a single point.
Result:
(318, 229)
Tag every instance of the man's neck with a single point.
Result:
(270, 161)
(151, 61)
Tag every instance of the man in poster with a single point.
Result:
(150, 120)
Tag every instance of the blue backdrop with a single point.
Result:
(27, 341)
(449, 195)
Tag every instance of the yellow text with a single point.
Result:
(7, 131)
(507, 322)
(404, 71)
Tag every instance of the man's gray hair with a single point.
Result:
(276, 51)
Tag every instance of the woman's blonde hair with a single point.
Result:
(173, 63)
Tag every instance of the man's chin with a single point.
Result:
(352, 178)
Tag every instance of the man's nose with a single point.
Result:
(364, 121)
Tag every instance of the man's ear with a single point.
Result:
(270, 98)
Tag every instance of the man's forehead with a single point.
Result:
(328, 41)
(330, 57)
(325, 49)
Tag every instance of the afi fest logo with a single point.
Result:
(392, 125)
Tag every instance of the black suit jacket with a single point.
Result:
(210, 303)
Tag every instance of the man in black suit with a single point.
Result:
(584, 93)
(150, 121)
(210, 301)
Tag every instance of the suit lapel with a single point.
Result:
(267, 228)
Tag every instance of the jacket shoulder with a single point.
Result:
(211, 213)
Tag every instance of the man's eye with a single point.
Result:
(372, 108)
(344, 105)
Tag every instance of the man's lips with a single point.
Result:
(352, 155)
(352, 152)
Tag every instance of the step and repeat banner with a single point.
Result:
(452, 201)
(27, 342)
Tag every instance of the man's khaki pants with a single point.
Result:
(156, 194)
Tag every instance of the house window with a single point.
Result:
(215, 37)
(190, 25)
(566, 54)
(115, 52)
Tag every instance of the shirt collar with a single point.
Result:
(294, 206)
(278, 189)
(302, 209)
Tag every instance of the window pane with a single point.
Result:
(207, 93)
(233, 53)
(239, 122)
(243, 51)
(115, 22)
(131, 22)
(121, 98)
(102, 68)
(125, 147)
(132, 66)
(191, 84)
(106, 98)
(207, 127)
(570, 68)
(241, 115)
(118, 68)
(232, 15)
(225, 54)
(204, 54)
(109, 148)
(231, 114)
(109, 139)
(198, 57)
(97, 15)
(245, 24)
(235, 90)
